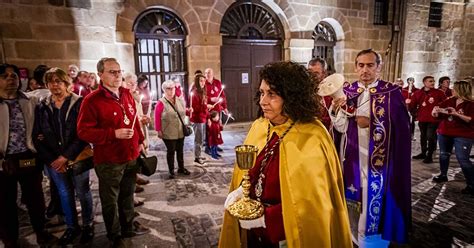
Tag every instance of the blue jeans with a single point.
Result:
(67, 183)
(462, 149)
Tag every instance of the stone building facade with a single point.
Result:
(63, 32)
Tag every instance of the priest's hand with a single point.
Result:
(233, 197)
(249, 224)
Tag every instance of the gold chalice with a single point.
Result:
(246, 208)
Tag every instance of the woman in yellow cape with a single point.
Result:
(311, 185)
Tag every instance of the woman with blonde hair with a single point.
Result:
(456, 130)
(55, 137)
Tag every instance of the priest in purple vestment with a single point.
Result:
(375, 155)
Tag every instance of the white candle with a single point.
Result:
(218, 101)
(229, 116)
(222, 89)
(191, 100)
(80, 90)
(152, 94)
(136, 112)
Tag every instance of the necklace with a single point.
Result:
(267, 155)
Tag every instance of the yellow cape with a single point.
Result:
(312, 191)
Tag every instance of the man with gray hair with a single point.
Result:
(106, 120)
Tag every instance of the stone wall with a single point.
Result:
(444, 51)
(61, 32)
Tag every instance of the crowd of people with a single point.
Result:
(352, 147)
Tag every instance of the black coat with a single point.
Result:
(50, 147)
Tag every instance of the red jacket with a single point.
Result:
(85, 89)
(199, 105)
(326, 101)
(448, 92)
(424, 101)
(212, 90)
(214, 136)
(406, 94)
(454, 126)
(100, 115)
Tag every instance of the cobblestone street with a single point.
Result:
(187, 211)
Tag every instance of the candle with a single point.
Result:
(191, 100)
(229, 116)
(218, 101)
(222, 89)
(152, 95)
(136, 112)
(80, 90)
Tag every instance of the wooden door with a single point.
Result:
(241, 63)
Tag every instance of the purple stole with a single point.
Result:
(378, 157)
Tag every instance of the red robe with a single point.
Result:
(214, 136)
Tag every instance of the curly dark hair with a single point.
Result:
(292, 82)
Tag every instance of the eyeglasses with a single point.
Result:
(132, 83)
(115, 72)
(170, 88)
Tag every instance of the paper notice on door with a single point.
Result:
(245, 78)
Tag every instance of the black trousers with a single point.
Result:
(32, 196)
(428, 137)
(172, 147)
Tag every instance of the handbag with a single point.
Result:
(187, 130)
(147, 164)
(84, 161)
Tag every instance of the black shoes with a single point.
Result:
(44, 238)
(419, 156)
(171, 176)
(219, 149)
(69, 235)
(440, 179)
(428, 160)
(87, 234)
(137, 230)
(468, 191)
(199, 161)
(183, 171)
(118, 242)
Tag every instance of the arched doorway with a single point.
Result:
(252, 37)
(324, 42)
(159, 47)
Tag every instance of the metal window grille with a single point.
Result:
(250, 20)
(435, 14)
(381, 12)
(159, 48)
(324, 41)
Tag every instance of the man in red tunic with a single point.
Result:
(423, 101)
(216, 99)
(407, 93)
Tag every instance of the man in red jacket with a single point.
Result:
(423, 101)
(215, 98)
(407, 93)
(106, 120)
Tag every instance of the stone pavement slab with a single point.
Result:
(188, 211)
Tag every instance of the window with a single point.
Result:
(381, 12)
(159, 48)
(324, 41)
(250, 20)
(435, 15)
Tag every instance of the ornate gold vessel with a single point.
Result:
(246, 208)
